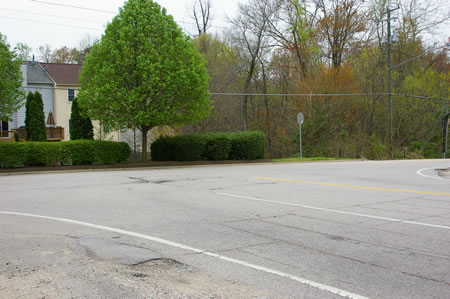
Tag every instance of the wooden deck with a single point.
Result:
(53, 134)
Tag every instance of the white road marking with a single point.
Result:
(419, 172)
(335, 211)
(314, 284)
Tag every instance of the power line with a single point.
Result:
(326, 95)
(49, 23)
(418, 97)
(73, 6)
(418, 56)
(106, 11)
(287, 94)
(298, 94)
(48, 15)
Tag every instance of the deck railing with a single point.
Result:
(53, 133)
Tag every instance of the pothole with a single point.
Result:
(444, 172)
(139, 180)
(161, 181)
(116, 252)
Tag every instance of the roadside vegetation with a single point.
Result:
(325, 58)
(79, 152)
(209, 146)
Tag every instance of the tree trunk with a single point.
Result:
(244, 112)
(144, 131)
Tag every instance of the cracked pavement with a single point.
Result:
(375, 229)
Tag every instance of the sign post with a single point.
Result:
(300, 121)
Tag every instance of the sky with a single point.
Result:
(40, 22)
(37, 22)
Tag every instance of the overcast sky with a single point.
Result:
(37, 22)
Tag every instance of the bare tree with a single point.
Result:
(202, 15)
(45, 53)
(252, 36)
(24, 52)
(341, 25)
(293, 29)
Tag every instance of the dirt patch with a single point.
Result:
(444, 173)
(49, 267)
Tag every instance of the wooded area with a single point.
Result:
(329, 60)
(333, 53)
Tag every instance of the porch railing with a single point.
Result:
(53, 134)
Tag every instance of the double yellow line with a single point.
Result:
(351, 186)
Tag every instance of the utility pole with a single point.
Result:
(444, 145)
(389, 79)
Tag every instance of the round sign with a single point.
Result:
(300, 118)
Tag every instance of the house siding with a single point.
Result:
(63, 108)
(43, 86)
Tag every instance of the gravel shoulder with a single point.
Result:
(58, 267)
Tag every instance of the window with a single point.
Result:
(4, 128)
(70, 95)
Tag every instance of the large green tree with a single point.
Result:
(35, 118)
(144, 72)
(80, 125)
(11, 96)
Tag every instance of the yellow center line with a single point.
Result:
(351, 186)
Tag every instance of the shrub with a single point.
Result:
(189, 147)
(16, 137)
(45, 153)
(80, 125)
(13, 154)
(163, 149)
(217, 147)
(78, 152)
(35, 118)
(211, 146)
(247, 145)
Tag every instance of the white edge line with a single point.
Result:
(335, 211)
(419, 172)
(317, 285)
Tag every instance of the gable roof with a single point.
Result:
(63, 74)
(36, 74)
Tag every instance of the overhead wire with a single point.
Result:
(73, 6)
(49, 23)
(49, 15)
(289, 94)
(106, 11)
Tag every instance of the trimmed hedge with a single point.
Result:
(210, 146)
(79, 152)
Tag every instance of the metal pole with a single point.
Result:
(444, 145)
(389, 81)
(300, 130)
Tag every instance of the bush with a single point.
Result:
(45, 153)
(217, 147)
(13, 154)
(211, 146)
(189, 147)
(247, 145)
(80, 152)
(163, 149)
(80, 125)
(35, 117)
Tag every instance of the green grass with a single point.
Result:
(298, 159)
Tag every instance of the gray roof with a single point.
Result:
(36, 75)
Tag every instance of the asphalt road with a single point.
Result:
(304, 230)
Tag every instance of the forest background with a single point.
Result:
(328, 60)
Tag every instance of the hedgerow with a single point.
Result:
(79, 152)
(210, 146)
